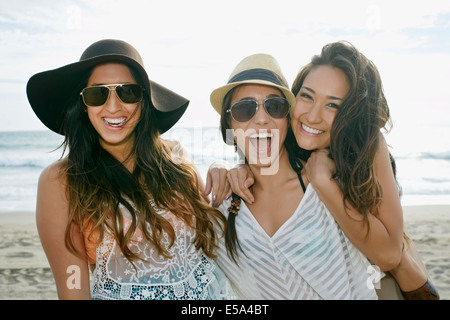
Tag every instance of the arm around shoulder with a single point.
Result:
(390, 211)
(381, 242)
(52, 216)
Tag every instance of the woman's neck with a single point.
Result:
(279, 172)
(123, 153)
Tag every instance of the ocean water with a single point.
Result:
(423, 173)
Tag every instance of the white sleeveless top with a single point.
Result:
(189, 274)
(309, 257)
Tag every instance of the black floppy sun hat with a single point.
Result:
(48, 91)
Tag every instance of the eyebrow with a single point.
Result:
(329, 97)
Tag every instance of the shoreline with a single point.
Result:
(25, 273)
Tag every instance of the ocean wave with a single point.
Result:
(23, 165)
(444, 155)
(426, 186)
(29, 146)
(436, 180)
(29, 161)
(30, 140)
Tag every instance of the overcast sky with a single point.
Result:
(192, 46)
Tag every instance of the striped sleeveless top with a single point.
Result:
(309, 257)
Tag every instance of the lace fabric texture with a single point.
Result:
(188, 274)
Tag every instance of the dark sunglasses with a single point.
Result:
(244, 111)
(97, 96)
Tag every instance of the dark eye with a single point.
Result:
(305, 96)
(333, 106)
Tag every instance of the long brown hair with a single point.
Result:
(98, 184)
(355, 132)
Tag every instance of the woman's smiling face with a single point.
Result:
(114, 121)
(317, 103)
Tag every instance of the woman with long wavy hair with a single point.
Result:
(350, 166)
(338, 148)
(285, 245)
(123, 202)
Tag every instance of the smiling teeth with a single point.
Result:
(115, 122)
(311, 130)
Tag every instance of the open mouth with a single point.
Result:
(115, 123)
(262, 142)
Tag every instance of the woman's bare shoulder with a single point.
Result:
(382, 157)
(52, 187)
(54, 173)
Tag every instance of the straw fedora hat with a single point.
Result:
(255, 69)
(48, 91)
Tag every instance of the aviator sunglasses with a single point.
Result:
(244, 111)
(97, 96)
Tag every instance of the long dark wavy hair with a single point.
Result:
(355, 132)
(98, 184)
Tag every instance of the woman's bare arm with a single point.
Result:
(52, 213)
(381, 239)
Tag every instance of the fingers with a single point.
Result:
(208, 186)
(229, 193)
(248, 195)
(221, 188)
(217, 184)
(320, 168)
(241, 180)
(307, 169)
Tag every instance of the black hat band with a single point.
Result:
(258, 74)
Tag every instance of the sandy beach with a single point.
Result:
(25, 273)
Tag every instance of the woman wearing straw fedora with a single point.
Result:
(338, 147)
(119, 203)
(285, 245)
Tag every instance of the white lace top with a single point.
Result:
(189, 274)
(309, 257)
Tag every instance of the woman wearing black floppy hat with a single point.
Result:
(123, 201)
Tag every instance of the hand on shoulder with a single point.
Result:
(320, 168)
(177, 152)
